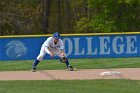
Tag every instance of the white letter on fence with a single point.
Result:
(89, 46)
(104, 43)
(77, 50)
(120, 48)
(131, 48)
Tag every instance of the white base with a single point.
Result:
(110, 73)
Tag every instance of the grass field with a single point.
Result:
(76, 86)
(71, 86)
(78, 63)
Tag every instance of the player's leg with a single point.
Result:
(65, 60)
(38, 59)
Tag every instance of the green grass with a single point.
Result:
(71, 86)
(78, 63)
(79, 86)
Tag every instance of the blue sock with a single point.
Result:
(67, 63)
(35, 63)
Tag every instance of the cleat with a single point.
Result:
(33, 69)
(70, 68)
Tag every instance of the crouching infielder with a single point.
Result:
(53, 46)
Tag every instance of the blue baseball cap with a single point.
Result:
(56, 35)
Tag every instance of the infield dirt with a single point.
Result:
(80, 74)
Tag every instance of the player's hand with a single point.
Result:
(51, 55)
(62, 54)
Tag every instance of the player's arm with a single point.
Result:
(62, 48)
(46, 44)
(62, 52)
(48, 51)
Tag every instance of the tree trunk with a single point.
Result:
(68, 15)
(59, 23)
(45, 14)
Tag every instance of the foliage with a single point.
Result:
(68, 16)
(19, 16)
(83, 25)
(115, 15)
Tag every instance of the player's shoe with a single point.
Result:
(70, 68)
(34, 69)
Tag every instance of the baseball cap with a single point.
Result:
(56, 35)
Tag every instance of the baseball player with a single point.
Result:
(52, 46)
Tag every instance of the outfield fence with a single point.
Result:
(92, 45)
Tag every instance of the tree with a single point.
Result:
(45, 15)
(19, 16)
(115, 15)
(68, 16)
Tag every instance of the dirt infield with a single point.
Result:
(81, 74)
